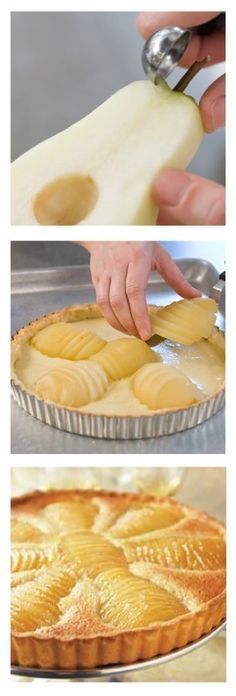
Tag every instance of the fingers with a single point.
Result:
(120, 293)
(119, 303)
(136, 283)
(172, 274)
(111, 299)
(148, 22)
(189, 199)
(212, 45)
(102, 288)
(212, 105)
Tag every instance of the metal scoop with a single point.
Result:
(163, 51)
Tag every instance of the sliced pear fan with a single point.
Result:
(144, 519)
(23, 530)
(90, 553)
(163, 386)
(66, 340)
(31, 557)
(127, 600)
(185, 321)
(37, 601)
(74, 385)
(189, 552)
(66, 516)
(122, 357)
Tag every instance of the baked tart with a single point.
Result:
(74, 360)
(104, 578)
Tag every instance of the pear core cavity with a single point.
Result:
(66, 200)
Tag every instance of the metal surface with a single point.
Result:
(55, 288)
(218, 290)
(113, 670)
(163, 50)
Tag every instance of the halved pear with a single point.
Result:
(72, 385)
(185, 321)
(66, 340)
(100, 170)
(164, 386)
(123, 356)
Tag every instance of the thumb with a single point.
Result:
(168, 269)
(188, 199)
(212, 105)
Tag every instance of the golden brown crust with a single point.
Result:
(40, 498)
(99, 643)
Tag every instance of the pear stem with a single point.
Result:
(190, 74)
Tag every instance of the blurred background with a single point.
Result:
(64, 64)
(202, 487)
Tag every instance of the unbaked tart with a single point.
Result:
(74, 359)
(104, 578)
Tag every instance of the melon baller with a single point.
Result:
(164, 49)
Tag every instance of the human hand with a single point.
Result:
(120, 272)
(185, 198)
(188, 199)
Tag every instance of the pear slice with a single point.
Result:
(185, 321)
(163, 386)
(123, 356)
(100, 170)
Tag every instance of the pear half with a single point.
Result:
(100, 170)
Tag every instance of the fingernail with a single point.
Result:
(170, 187)
(217, 113)
(145, 334)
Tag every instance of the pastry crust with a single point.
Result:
(92, 637)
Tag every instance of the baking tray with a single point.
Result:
(115, 670)
(41, 291)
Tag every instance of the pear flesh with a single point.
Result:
(100, 170)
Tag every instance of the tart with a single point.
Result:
(104, 578)
(74, 360)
